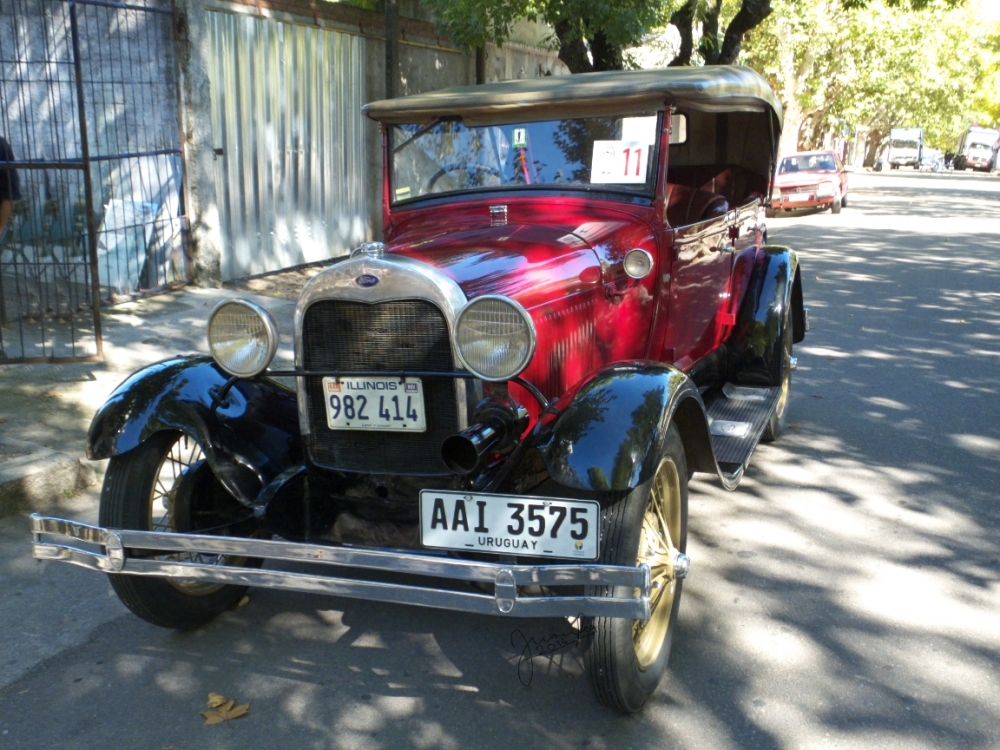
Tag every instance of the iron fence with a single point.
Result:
(89, 105)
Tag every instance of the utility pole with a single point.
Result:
(391, 48)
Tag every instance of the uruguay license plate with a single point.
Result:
(796, 197)
(510, 524)
(374, 403)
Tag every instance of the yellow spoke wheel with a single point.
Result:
(661, 530)
(626, 659)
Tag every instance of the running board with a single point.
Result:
(737, 418)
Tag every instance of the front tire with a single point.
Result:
(835, 206)
(166, 484)
(626, 659)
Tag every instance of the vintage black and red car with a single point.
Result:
(572, 311)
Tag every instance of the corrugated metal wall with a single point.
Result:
(286, 112)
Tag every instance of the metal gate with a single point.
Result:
(89, 106)
(290, 138)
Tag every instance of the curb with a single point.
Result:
(37, 478)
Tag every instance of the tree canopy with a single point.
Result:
(595, 34)
(604, 28)
(837, 69)
(836, 65)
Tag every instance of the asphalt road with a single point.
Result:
(847, 595)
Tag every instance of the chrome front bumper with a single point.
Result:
(112, 551)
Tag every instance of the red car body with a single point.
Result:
(811, 179)
(573, 310)
(588, 313)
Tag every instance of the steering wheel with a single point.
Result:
(469, 168)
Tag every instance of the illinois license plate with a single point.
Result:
(374, 403)
(510, 524)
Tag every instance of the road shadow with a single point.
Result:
(844, 594)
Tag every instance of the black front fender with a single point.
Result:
(610, 435)
(755, 345)
(248, 439)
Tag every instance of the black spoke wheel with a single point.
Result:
(626, 659)
(166, 485)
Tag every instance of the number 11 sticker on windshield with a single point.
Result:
(619, 162)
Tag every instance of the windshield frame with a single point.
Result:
(628, 192)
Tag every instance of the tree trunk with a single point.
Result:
(874, 141)
(709, 46)
(750, 15)
(683, 20)
(795, 72)
(606, 56)
(789, 143)
(572, 50)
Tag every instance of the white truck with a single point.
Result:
(905, 147)
(976, 149)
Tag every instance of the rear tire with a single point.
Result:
(626, 659)
(141, 491)
(776, 424)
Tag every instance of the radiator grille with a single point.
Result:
(354, 336)
(799, 190)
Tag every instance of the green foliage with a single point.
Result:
(986, 100)
(470, 23)
(910, 4)
(875, 66)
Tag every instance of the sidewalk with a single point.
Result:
(45, 410)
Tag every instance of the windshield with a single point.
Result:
(811, 163)
(615, 154)
(983, 146)
(905, 144)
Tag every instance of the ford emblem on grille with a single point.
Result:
(366, 280)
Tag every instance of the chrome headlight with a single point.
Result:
(826, 190)
(494, 338)
(242, 337)
(638, 263)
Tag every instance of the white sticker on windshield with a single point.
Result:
(619, 162)
(503, 145)
(641, 129)
(520, 137)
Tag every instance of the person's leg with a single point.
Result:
(6, 209)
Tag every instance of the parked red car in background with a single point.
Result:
(812, 179)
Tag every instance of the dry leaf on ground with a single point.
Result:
(225, 710)
(215, 700)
